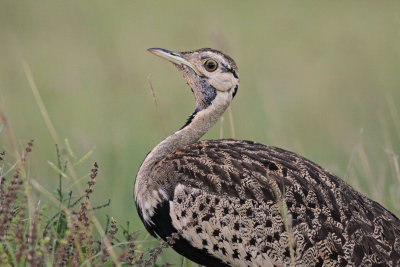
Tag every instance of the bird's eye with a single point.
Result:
(210, 65)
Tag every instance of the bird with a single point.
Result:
(230, 202)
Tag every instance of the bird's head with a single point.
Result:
(208, 72)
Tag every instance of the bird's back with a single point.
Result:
(229, 200)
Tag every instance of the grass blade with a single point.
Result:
(156, 104)
(84, 157)
(39, 101)
(69, 149)
(54, 167)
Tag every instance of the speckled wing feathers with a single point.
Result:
(230, 189)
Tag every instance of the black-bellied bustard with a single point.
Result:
(225, 200)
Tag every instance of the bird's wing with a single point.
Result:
(246, 203)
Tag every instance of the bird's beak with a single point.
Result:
(174, 57)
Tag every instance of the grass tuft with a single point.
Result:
(66, 238)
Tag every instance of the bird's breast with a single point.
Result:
(147, 201)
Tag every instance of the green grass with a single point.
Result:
(319, 79)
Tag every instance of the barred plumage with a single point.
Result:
(240, 203)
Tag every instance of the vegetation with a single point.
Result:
(28, 236)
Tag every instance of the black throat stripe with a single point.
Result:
(231, 70)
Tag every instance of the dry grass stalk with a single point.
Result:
(287, 221)
(153, 93)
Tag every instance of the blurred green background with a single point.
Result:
(318, 78)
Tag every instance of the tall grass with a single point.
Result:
(62, 235)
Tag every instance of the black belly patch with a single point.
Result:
(163, 227)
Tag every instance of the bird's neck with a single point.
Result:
(200, 124)
(147, 193)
